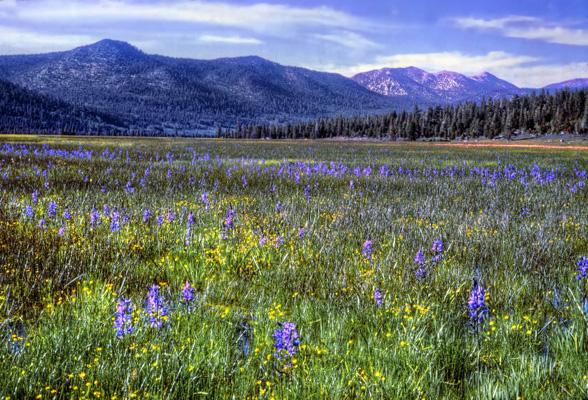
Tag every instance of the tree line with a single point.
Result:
(543, 113)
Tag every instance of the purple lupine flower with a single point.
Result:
(229, 220)
(188, 292)
(129, 188)
(286, 340)
(106, 209)
(367, 249)
(421, 273)
(205, 200)
(378, 297)
(29, 212)
(42, 224)
(123, 320)
(438, 246)
(582, 268)
(301, 233)
(190, 218)
(170, 217)
(66, 214)
(279, 242)
(188, 234)
(146, 215)
(159, 220)
(51, 209)
(156, 309)
(477, 303)
(419, 258)
(35, 199)
(169, 173)
(115, 221)
(94, 217)
(262, 241)
(61, 231)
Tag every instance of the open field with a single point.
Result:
(369, 248)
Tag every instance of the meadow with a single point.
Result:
(182, 268)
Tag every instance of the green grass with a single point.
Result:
(58, 293)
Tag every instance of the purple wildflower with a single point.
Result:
(419, 258)
(301, 233)
(367, 249)
(438, 246)
(188, 292)
(582, 268)
(115, 221)
(94, 217)
(156, 309)
(42, 224)
(262, 241)
(29, 212)
(123, 320)
(378, 297)
(188, 234)
(229, 220)
(35, 199)
(421, 273)
(51, 209)
(61, 231)
(279, 242)
(477, 303)
(191, 218)
(170, 217)
(66, 214)
(286, 340)
(146, 215)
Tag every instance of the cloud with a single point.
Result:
(255, 17)
(528, 28)
(19, 41)
(350, 40)
(452, 61)
(542, 75)
(520, 70)
(229, 39)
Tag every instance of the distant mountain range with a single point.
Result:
(441, 87)
(113, 85)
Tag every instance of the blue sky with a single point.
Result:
(530, 43)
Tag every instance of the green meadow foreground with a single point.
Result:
(177, 268)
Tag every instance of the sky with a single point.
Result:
(530, 43)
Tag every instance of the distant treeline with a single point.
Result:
(562, 111)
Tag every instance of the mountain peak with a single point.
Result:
(107, 48)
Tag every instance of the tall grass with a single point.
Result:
(514, 219)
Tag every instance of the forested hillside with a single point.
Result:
(562, 111)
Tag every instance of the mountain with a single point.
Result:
(440, 87)
(24, 111)
(167, 94)
(571, 84)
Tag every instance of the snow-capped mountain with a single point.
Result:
(442, 87)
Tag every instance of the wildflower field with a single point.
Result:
(178, 268)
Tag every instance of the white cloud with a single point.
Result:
(350, 40)
(528, 28)
(452, 61)
(516, 69)
(543, 75)
(255, 17)
(229, 39)
(19, 41)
